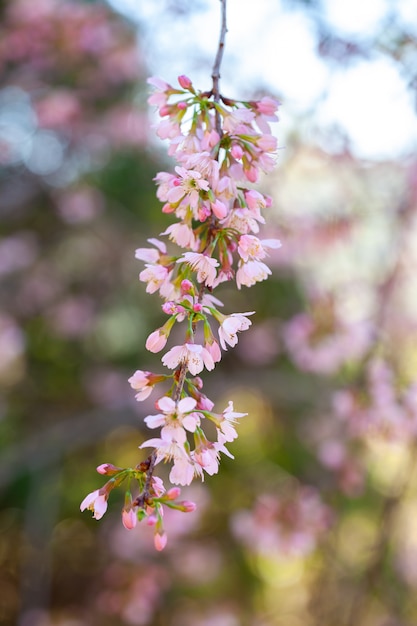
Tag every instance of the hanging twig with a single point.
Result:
(217, 62)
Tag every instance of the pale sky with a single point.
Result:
(271, 49)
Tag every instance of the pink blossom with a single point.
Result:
(231, 325)
(95, 501)
(182, 234)
(159, 83)
(251, 272)
(255, 200)
(267, 106)
(155, 276)
(202, 264)
(187, 187)
(175, 417)
(151, 255)
(168, 129)
(226, 429)
(166, 449)
(183, 471)
(194, 355)
(250, 247)
(214, 349)
(207, 455)
(140, 381)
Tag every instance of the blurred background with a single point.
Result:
(314, 521)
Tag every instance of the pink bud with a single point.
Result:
(184, 81)
(164, 110)
(237, 152)
(268, 201)
(251, 173)
(168, 208)
(186, 285)
(181, 106)
(219, 209)
(187, 506)
(129, 519)
(160, 541)
(156, 341)
(173, 494)
(197, 307)
(170, 308)
(108, 469)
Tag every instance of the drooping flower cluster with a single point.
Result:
(290, 526)
(221, 146)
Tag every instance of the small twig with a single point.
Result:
(180, 374)
(217, 62)
(142, 499)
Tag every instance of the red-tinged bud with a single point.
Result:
(187, 506)
(108, 469)
(164, 110)
(181, 106)
(173, 494)
(197, 307)
(184, 81)
(160, 541)
(186, 286)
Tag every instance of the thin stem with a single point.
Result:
(146, 493)
(180, 373)
(217, 62)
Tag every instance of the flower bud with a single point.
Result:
(186, 285)
(173, 494)
(187, 506)
(237, 152)
(156, 341)
(160, 541)
(108, 469)
(129, 519)
(184, 81)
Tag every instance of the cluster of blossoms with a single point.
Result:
(290, 525)
(323, 340)
(383, 411)
(221, 145)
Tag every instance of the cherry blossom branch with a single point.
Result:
(223, 151)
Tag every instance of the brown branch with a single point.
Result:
(217, 62)
(149, 464)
